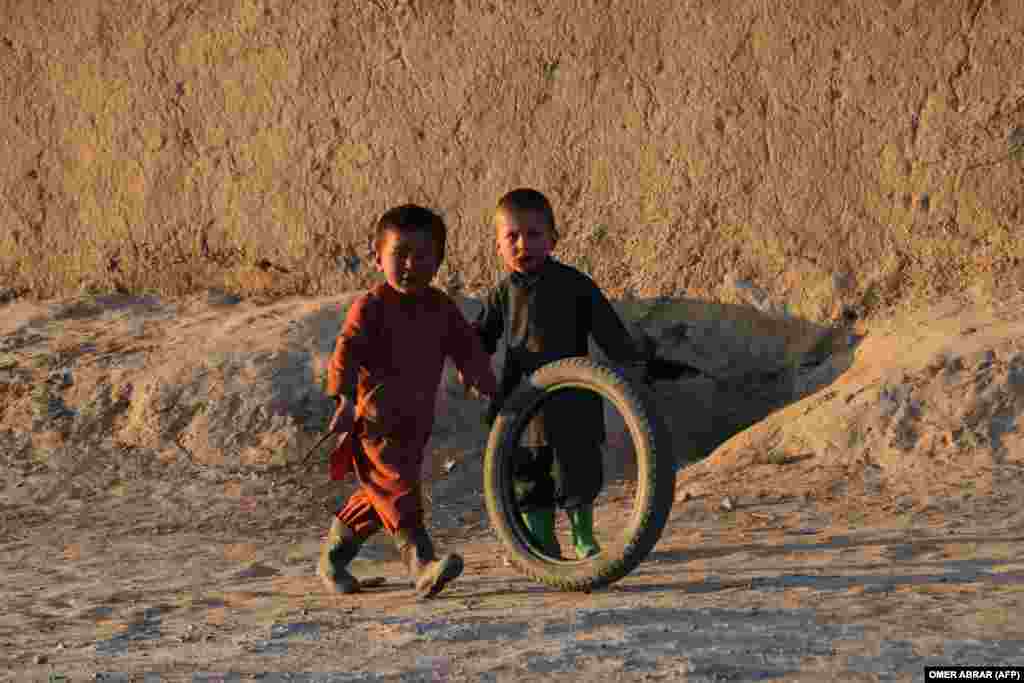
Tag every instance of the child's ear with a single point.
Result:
(372, 247)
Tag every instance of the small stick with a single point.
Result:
(319, 443)
(344, 436)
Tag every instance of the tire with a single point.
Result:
(655, 476)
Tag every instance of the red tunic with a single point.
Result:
(399, 342)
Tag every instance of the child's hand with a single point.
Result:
(480, 394)
(344, 417)
(470, 390)
(476, 391)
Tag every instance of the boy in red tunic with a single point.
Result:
(388, 360)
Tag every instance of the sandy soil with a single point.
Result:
(774, 590)
(137, 562)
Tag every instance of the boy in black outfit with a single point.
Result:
(546, 311)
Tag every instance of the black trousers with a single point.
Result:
(548, 476)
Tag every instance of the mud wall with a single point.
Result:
(862, 151)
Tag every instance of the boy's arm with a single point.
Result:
(615, 340)
(343, 367)
(490, 324)
(467, 349)
(611, 333)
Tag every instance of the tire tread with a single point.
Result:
(653, 446)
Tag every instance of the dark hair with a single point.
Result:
(526, 199)
(412, 218)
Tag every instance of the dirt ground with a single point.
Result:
(777, 589)
(132, 560)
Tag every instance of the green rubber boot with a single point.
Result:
(582, 521)
(541, 524)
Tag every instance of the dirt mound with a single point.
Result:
(103, 393)
(238, 386)
(752, 361)
(927, 405)
(108, 395)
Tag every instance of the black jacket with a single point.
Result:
(547, 316)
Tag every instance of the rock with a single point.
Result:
(217, 297)
(39, 659)
(745, 291)
(810, 380)
(728, 504)
(846, 314)
(61, 379)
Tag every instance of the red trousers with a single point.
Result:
(389, 474)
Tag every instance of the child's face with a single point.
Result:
(409, 260)
(524, 239)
